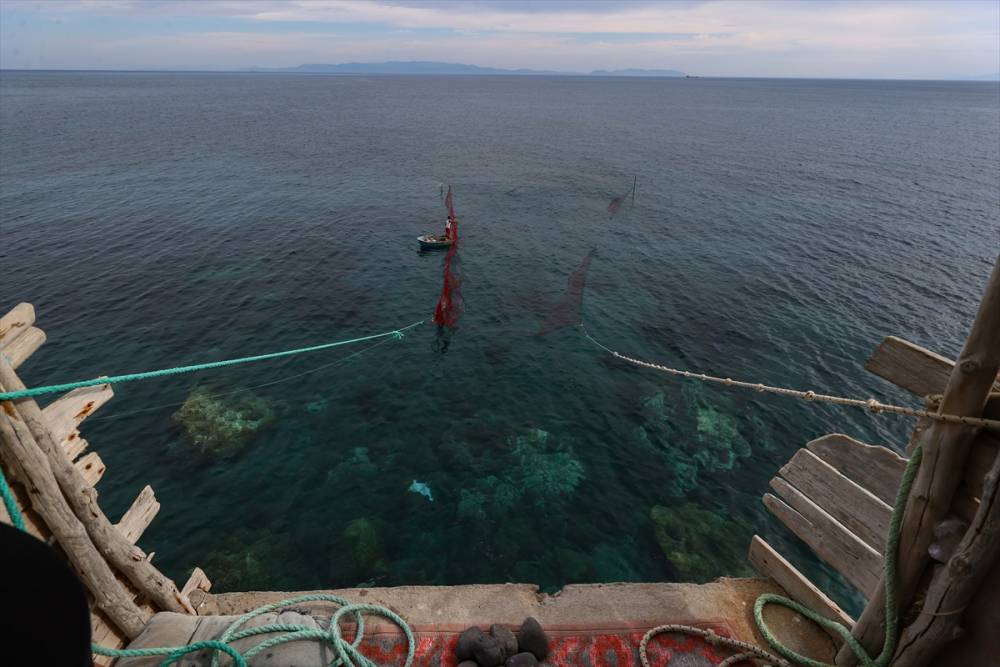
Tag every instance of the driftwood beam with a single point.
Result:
(124, 556)
(22, 455)
(954, 586)
(945, 448)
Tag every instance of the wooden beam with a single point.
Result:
(914, 368)
(65, 414)
(91, 468)
(857, 562)
(73, 445)
(875, 469)
(16, 322)
(771, 564)
(858, 510)
(198, 581)
(21, 454)
(954, 586)
(24, 346)
(126, 558)
(945, 447)
(138, 517)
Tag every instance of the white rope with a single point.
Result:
(871, 404)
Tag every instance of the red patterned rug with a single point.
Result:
(584, 647)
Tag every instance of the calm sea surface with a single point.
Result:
(779, 230)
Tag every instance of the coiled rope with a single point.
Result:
(348, 654)
(889, 563)
(118, 379)
(872, 405)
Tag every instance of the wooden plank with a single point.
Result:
(857, 562)
(65, 414)
(861, 512)
(24, 346)
(198, 581)
(771, 564)
(874, 468)
(73, 445)
(17, 320)
(138, 517)
(91, 467)
(911, 367)
(104, 633)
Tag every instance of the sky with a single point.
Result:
(928, 39)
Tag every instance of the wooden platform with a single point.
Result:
(836, 494)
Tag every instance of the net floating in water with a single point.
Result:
(567, 311)
(449, 305)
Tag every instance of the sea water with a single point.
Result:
(779, 230)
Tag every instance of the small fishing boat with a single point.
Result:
(446, 240)
(435, 242)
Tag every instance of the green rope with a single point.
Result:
(890, 566)
(116, 379)
(348, 654)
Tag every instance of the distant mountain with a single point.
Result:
(638, 72)
(399, 67)
(427, 67)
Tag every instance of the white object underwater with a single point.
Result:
(422, 489)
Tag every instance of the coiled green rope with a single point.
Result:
(117, 379)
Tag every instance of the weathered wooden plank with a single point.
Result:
(91, 467)
(138, 517)
(104, 633)
(24, 346)
(73, 445)
(65, 414)
(17, 320)
(911, 367)
(771, 564)
(857, 509)
(198, 581)
(857, 562)
(875, 469)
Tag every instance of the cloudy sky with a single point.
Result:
(808, 38)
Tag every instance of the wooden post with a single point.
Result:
(124, 556)
(24, 459)
(954, 585)
(945, 447)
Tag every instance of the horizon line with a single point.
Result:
(541, 74)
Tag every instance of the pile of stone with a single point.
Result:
(501, 648)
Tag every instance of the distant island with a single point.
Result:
(428, 67)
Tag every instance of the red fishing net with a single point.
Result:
(567, 311)
(449, 305)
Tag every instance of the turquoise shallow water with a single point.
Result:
(779, 230)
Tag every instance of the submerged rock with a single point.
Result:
(700, 544)
(532, 639)
(365, 546)
(223, 424)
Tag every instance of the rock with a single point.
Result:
(532, 639)
(521, 660)
(506, 639)
(468, 663)
(487, 652)
(466, 640)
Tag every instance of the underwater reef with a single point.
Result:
(701, 544)
(223, 424)
(718, 443)
(363, 548)
(536, 470)
(250, 560)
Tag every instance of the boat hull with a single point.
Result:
(434, 243)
